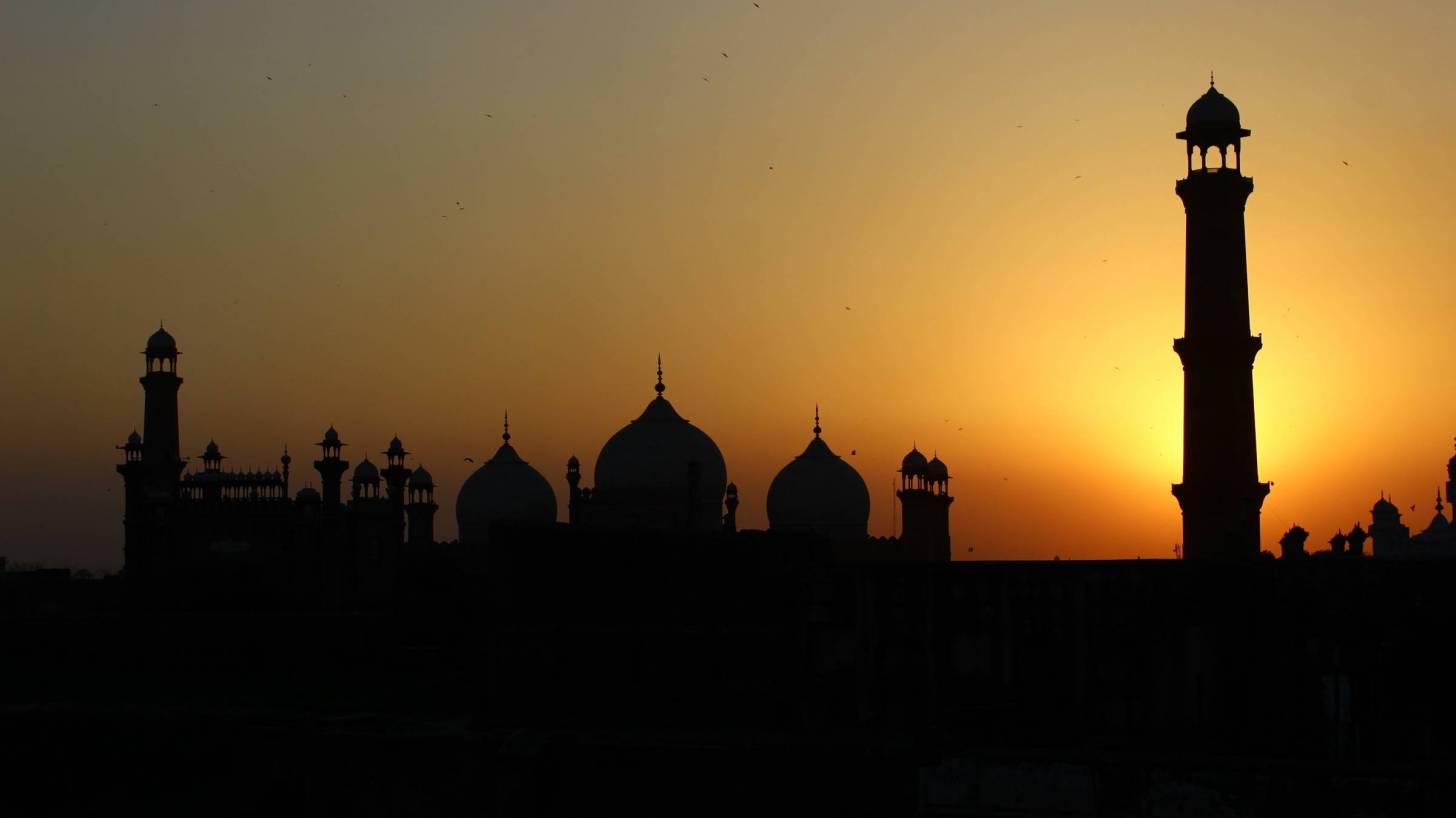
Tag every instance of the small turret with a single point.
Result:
(1291, 545)
(1356, 540)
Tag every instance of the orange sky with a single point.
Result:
(988, 187)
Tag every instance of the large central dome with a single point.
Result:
(660, 469)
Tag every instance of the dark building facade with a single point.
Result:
(1221, 495)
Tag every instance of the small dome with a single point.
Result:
(366, 472)
(573, 463)
(420, 479)
(396, 447)
(1213, 110)
(133, 439)
(819, 492)
(1384, 506)
(914, 462)
(936, 470)
(308, 494)
(211, 450)
(504, 488)
(161, 343)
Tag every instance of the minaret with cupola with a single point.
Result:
(161, 451)
(212, 458)
(331, 467)
(1221, 495)
(133, 474)
(394, 473)
(925, 507)
(421, 508)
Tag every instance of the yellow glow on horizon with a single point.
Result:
(989, 190)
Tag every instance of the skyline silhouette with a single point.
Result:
(552, 407)
(297, 245)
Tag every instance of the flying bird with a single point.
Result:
(270, 79)
(724, 53)
(852, 451)
(1343, 162)
(845, 307)
(755, 5)
(469, 460)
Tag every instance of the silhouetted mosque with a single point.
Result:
(658, 473)
(646, 654)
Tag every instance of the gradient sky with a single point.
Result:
(988, 188)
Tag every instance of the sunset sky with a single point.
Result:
(948, 223)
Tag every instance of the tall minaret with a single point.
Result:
(331, 468)
(1220, 494)
(421, 508)
(160, 449)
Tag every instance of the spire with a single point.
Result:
(817, 430)
(659, 388)
(1210, 78)
(506, 435)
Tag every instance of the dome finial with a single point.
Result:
(1210, 78)
(506, 435)
(817, 430)
(659, 387)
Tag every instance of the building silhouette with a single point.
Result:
(227, 537)
(647, 653)
(238, 538)
(1221, 494)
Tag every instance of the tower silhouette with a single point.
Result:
(421, 508)
(925, 507)
(331, 467)
(160, 449)
(1220, 495)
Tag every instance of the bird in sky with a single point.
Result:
(724, 53)
(270, 79)
(852, 451)
(1343, 162)
(469, 460)
(772, 169)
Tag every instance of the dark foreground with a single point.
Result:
(677, 681)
